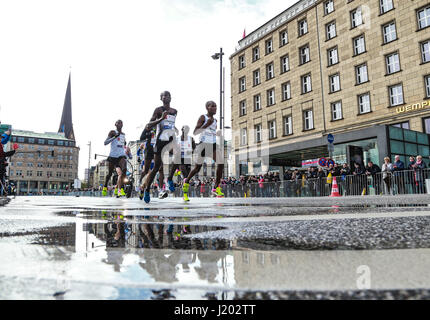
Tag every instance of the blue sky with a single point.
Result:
(122, 54)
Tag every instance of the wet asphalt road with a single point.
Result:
(314, 248)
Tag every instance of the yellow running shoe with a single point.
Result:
(219, 192)
(104, 192)
(186, 197)
(122, 193)
(185, 187)
(115, 192)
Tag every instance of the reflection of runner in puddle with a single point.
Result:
(115, 244)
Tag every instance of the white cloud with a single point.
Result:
(122, 54)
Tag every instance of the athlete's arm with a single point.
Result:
(193, 143)
(111, 137)
(199, 127)
(157, 117)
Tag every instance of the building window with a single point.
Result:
(285, 64)
(425, 51)
(396, 95)
(402, 125)
(270, 97)
(31, 140)
(334, 81)
(361, 75)
(51, 142)
(243, 137)
(364, 103)
(393, 63)
(304, 54)
(256, 77)
(427, 85)
(270, 71)
(389, 32)
(286, 91)
(242, 108)
(303, 27)
(332, 56)
(41, 141)
(308, 119)
(283, 38)
(359, 45)
(242, 84)
(258, 133)
(426, 124)
(255, 54)
(257, 102)
(306, 83)
(328, 7)
(241, 62)
(336, 111)
(356, 18)
(330, 30)
(269, 46)
(288, 125)
(272, 129)
(39, 173)
(21, 139)
(386, 5)
(423, 16)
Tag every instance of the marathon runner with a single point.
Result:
(117, 158)
(183, 154)
(207, 128)
(163, 119)
(147, 148)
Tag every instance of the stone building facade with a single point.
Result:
(331, 67)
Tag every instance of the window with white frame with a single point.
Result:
(242, 108)
(286, 91)
(256, 77)
(306, 83)
(303, 27)
(243, 137)
(334, 81)
(364, 103)
(332, 56)
(425, 51)
(308, 119)
(396, 95)
(283, 38)
(255, 53)
(336, 110)
(241, 62)
(257, 102)
(258, 129)
(385, 5)
(356, 18)
(359, 45)
(361, 75)
(423, 16)
(272, 129)
(270, 71)
(389, 32)
(330, 30)
(285, 63)
(427, 85)
(270, 97)
(328, 7)
(392, 62)
(242, 84)
(288, 125)
(304, 54)
(269, 46)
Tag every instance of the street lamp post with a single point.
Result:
(217, 56)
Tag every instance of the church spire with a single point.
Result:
(66, 125)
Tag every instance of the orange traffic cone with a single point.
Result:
(335, 189)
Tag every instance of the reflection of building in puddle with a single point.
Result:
(57, 236)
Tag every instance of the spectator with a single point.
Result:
(359, 181)
(373, 170)
(398, 167)
(387, 169)
(411, 175)
(419, 167)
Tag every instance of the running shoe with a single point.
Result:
(122, 193)
(141, 194)
(171, 185)
(115, 192)
(186, 199)
(104, 192)
(163, 195)
(146, 197)
(185, 187)
(217, 192)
